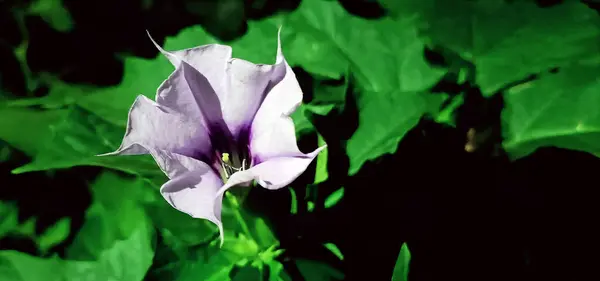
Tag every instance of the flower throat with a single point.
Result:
(230, 165)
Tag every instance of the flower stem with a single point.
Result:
(238, 215)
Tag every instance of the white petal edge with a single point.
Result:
(273, 132)
(151, 125)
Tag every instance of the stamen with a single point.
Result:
(225, 157)
(228, 167)
(224, 170)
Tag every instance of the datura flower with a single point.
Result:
(218, 122)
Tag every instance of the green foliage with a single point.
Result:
(53, 12)
(402, 264)
(334, 198)
(317, 271)
(385, 56)
(74, 140)
(131, 233)
(115, 242)
(544, 112)
(507, 41)
(10, 226)
(10, 220)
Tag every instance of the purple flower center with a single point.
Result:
(231, 154)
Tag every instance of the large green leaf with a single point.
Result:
(17, 266)
(38, 132)
(71, 138)
(507, 40)
(559, 109)
(383, 121)
(117, 213)
(384, 55)
(386, 58)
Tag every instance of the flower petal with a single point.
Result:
(272, 174)
(193, 93)
(176, 94)
(272, 132)
(248, 85)
(152, 126)
(210, 60)
(239, 85)
(193, 188)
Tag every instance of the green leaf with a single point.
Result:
(277, 272)
(116, 214)
(180, 229)
(310, 206)
(294, 201)
(402, 265)
(559, 109)
(382, 124)
(9, 224)
(38, 124)
(54, 13)
(10, 218)
(115, 242)
(141, 76)
(508, 41)
(317, 271)
(385, 55)
(5, 152)
(75, 140)
(127, 259)
(206, 261)
(17, 266)
(301, 123)
(264, 236)
(54, 235)
(247, 273)
(386, 58)
(214, 264)
(335, 250)
(334, 197)
(321, 173)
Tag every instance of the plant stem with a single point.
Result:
(238, 215)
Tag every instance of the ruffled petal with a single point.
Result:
(193, 188)
(151, 126)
